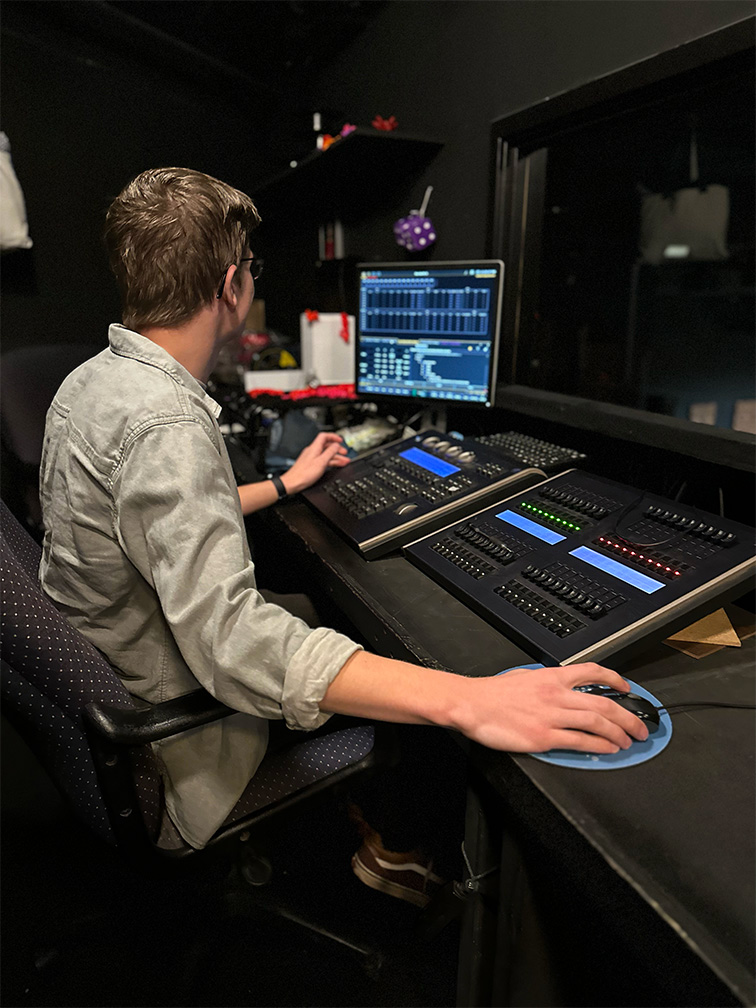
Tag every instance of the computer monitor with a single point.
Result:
(429, 330)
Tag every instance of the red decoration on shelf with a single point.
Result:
(320, 392)
(385, 124)
(344, 327)
(346, 129)
(312, 315)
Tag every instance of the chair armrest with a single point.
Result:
(133, 726)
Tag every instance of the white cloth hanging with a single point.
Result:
(14, 231)
(690, 223)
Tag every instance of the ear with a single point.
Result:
(229, 292)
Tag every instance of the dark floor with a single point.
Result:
(78, 929)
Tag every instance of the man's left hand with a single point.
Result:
(326, 451)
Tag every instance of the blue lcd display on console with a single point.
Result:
(429, 462)
(618, 570)
(531, 527)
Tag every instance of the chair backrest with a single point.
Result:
(50, 672)
(29, 378)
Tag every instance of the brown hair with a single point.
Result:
(170, 235)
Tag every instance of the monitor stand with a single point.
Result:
(431, 418)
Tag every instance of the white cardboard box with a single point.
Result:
(282, 380)
(326, 357)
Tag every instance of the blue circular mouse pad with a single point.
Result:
(638, 752)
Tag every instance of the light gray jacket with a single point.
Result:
(145, 552)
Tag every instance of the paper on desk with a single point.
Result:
(715, 628)
(720, 629)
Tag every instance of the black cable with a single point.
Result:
(637, 502)
(682, 705)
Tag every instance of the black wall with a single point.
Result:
(86, 107)
(89, 102)
(448, 69)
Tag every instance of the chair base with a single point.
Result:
(246, 895)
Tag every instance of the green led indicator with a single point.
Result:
(549, 516)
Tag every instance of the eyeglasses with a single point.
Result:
(255, 270)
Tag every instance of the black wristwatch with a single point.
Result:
(278, 484)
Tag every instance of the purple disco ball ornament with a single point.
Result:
(415, 232)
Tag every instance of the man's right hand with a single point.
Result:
(526, 710)
(534, 710)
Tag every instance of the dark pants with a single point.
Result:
(420, 803)
(417, 804)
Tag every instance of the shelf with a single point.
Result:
(347, 178)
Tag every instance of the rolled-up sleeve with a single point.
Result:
(178, 519)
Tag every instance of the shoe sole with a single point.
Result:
(384, 885)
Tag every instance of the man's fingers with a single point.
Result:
(590, 672)
(328, 437)
(580, 742)
(613, 723)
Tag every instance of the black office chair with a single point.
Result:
(92, 738)
(29, 378)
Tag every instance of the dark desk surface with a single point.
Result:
(679, 828)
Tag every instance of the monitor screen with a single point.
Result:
(429, 330)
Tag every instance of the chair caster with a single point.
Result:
(255, 869)
(372, 964)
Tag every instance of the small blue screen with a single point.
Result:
(531, 527)
(618, 570)
(429, 462)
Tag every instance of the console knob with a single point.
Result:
(467, 456)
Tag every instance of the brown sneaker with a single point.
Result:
(407, 876)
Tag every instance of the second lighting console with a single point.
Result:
(410, 487)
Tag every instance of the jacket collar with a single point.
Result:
(127, 343)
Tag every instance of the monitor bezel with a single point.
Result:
(423, 401)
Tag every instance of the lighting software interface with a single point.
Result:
(429, 331)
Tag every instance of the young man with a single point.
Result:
(145, 549)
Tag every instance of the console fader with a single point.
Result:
(580, 568)
(401, 490)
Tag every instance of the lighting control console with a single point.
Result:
(580, 568)
(399, 491)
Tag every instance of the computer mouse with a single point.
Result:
(642, 708)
